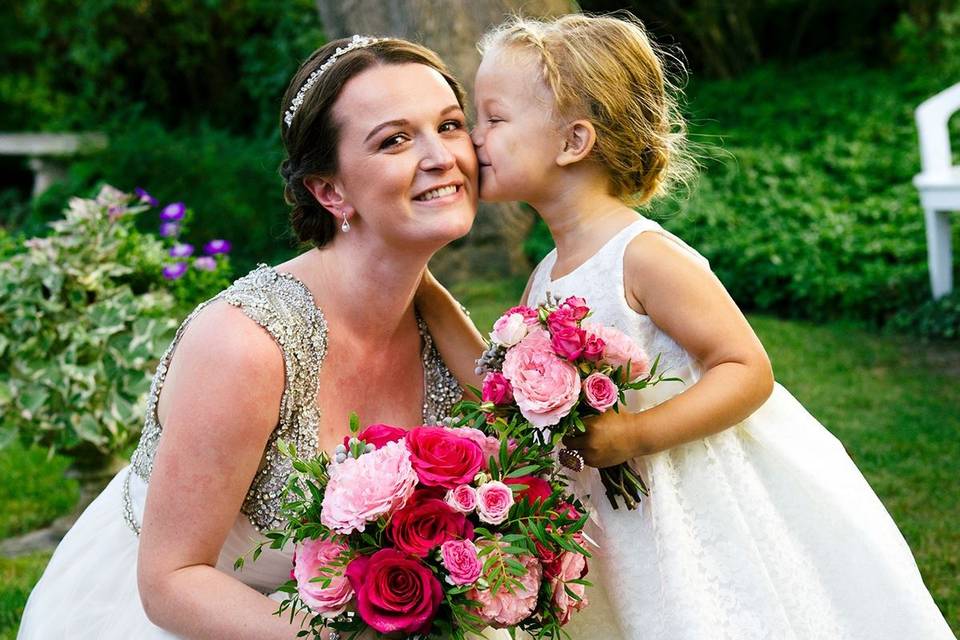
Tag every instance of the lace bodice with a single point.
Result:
(285, 308)
(599, 280)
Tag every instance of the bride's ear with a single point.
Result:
(579, 137)
(328, 194)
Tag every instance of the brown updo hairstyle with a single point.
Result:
(312, 138)
(607, 69)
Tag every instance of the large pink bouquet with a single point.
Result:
(551, 367)
(433, 532)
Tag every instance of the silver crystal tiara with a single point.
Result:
(356, 42)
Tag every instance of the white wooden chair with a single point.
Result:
(938, 183)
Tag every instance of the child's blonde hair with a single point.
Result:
(608, 70)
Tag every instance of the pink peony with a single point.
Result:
(462, 498)
(395, 593)
(504, 609)
(496, 389)
(443, 457)
(545, 386)
(601, 392)
(620, 348)
(569, 342)
(494, 500)
(309, 558)
(363, 489)
(569, 566)
(461, 561)
(509, 329)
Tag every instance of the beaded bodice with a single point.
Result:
(285, 308)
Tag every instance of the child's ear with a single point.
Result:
(328, 194)
(578, 140)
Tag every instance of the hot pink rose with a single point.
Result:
(620, 349)
(494, 500)
(568, 342)
(529, 315)
(569, 566)
(442, 458)
(463, 498)
(363, 489)
(593, 348)
(488, 444)
(504, 609)
(577, 307)
(425, 523)
(545, 386)
(309, 558)
(461, 561)
(601, 392)
(562, 318)
(378, 435)
(497, 389)
(395, 593)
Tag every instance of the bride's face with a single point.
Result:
(407, 170)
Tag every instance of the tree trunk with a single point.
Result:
(494, 248)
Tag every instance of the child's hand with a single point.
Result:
(611, 438)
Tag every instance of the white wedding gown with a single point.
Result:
(89, 589)
(764, 531)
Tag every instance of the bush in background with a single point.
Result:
(85, 314)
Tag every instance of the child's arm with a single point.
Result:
(454, 334)
(691, 305)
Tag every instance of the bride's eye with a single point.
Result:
(393, 141)
(451, 125)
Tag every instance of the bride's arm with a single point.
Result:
(219, 405)
(455, 335)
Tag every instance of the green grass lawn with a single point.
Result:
(893, 403)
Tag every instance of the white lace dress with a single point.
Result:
(765, 531)
(89, 589)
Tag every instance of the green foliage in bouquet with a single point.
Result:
(85, 314)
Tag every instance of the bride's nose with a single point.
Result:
(436, 156)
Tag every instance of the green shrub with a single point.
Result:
(933, 319)
(805, 205)
(85, 314)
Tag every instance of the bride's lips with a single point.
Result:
(442, 200)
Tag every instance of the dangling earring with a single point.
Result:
(346, 225)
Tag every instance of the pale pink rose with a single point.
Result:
(509, 329)
(569, 566)
(600, 391)
(462, 498)
(494, 500)
(619, 348)
(363, 489)
(461, 561)
(504, 609)
(545, 386)
(309, 558)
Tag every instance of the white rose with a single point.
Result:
(509, 330)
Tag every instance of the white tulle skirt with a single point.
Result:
(765, 531)
(89, 588)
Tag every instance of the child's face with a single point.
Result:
(516, 138)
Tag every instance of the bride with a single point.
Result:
(380, 173)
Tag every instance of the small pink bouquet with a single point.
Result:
(434, 532)
(551, 367)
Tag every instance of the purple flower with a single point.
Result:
(145, 197)
(214, 247)
(175, 270)
(173, 212)
(205, 263)
(169, 229)
(183, 250)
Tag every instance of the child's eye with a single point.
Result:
(494, 120)
(451, 125)
(393, 141)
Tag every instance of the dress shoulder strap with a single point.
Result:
(618, 246)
